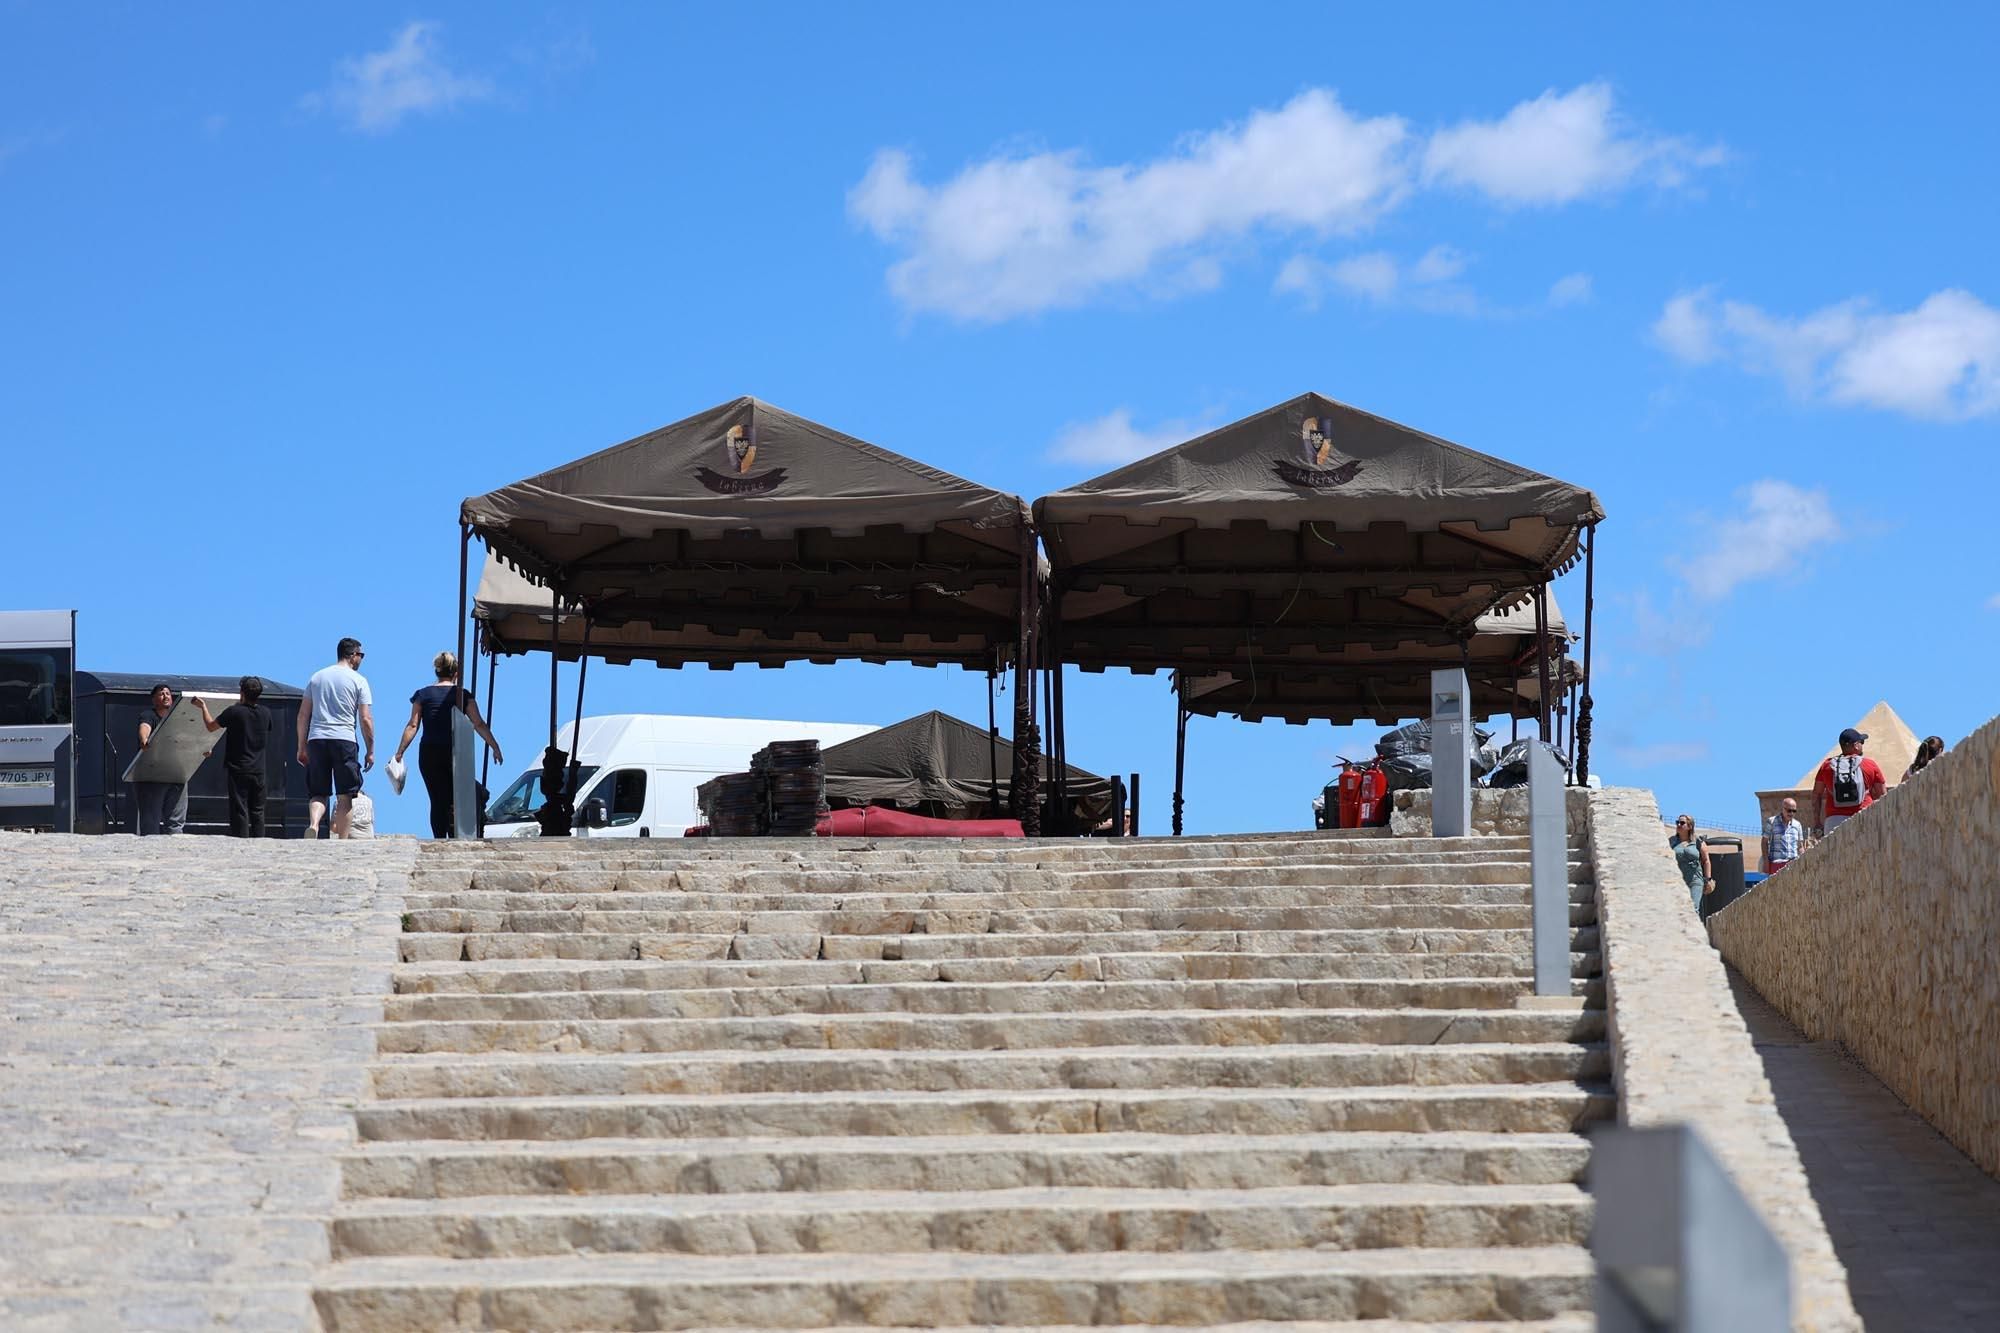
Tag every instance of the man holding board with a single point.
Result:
(163, 806)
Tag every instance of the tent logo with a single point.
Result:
(1316, 442)
(740, 447)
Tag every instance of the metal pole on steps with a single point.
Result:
(1451, 754)
(1677, 1247)
(1548, 869)
(1589, 605)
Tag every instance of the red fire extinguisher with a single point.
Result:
(1372, 804)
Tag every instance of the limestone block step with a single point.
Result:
(454, 1170)
(1517, 1108)
(1009, 1221)
(605, 1292)
(493, 976)
(623, 916)
(986, 1032)
(1329, 875)
(650, 900)
(738, 1072)
(611, 946)
(1577, 1323)
(1000, 997)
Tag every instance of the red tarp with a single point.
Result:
(875, 821)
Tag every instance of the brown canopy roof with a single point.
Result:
(747, 534)
(1370, 683)
(1299, 532)
(937, 760)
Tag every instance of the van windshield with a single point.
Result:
(518, 804)
(34, 687)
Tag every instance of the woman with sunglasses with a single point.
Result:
(1691, 855)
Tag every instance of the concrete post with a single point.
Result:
(1548, 869)
(1451, 755)
(464, 778)
(1678, 1248)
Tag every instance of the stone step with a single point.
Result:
(474, 947)
(992, 879)
(818, 1291)
(1064, 1220)
(623, 917)
(453, 1170)
(596, 898)
(1514, 1108)
(922, 851)
(725, 1073)
(1574, 1323)
(988, 1032)
(513, 975)
(993, 998)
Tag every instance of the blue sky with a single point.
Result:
(278, 288)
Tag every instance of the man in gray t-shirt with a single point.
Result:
(337, 701)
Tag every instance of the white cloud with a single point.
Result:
(1019, 233)
(1441, 263)
(1775, 526)
(1662, 753)
(1380, 279)
(373, 92)
(1013, 235)
(1940, 361)
(1574, 289)
(1557, 149)
(1112, 438)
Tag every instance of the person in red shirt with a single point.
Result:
(1846, 784)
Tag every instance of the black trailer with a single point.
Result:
(108, 705)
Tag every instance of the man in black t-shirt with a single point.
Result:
(243, 755)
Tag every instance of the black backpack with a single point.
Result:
(1847, 779)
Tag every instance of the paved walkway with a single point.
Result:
(1915, 1222)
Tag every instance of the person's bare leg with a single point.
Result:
(343, 812)
(314, 810)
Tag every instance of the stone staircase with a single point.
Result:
(670, 1085)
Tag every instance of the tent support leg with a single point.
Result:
(1180, 752)
(1024, 795)
(464, 557)
(1582, 768)
(1542, 701)
(575, 745)
(492, 675)
(992, 747)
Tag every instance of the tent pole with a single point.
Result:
(1582, 769)
(992, 744)
(492, 675)
(1058, 724)
(1180, 751)
(1023, 794)
(576, 737)
(464, 556)
(1543, 701)
(555, 656)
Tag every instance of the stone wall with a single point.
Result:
(1494, 813)
(185, 1029)
(1886, 938)
(1681, 1053)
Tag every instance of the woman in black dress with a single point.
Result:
(430, 710)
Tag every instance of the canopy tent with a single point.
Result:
(938, 764)
(1368, 682)
(1298, 543)
(1297, 532)
(746, 534)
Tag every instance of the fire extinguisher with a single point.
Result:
(1372, 803)
(1350, 794)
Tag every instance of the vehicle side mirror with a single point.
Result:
(595, 815)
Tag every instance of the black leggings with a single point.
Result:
(434, 762)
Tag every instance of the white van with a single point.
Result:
(643, 768)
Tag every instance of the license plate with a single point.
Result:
(27, 777)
